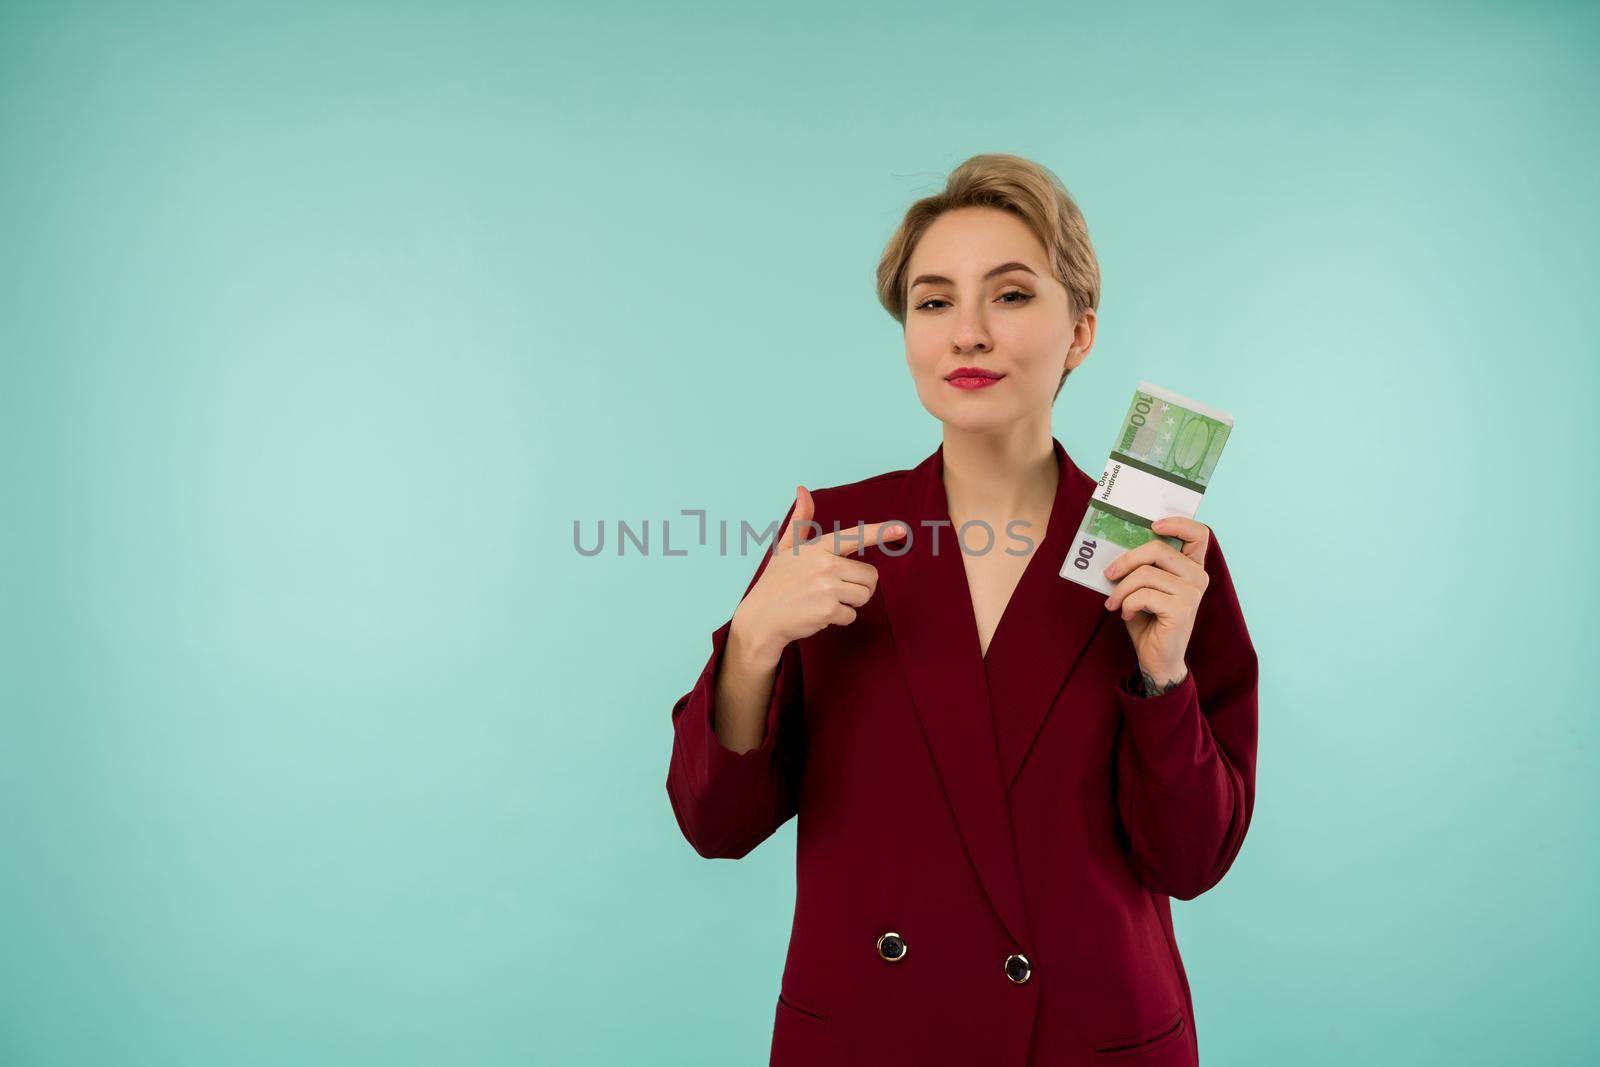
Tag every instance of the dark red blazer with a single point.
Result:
(1025, 803)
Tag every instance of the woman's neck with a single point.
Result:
(997, 477)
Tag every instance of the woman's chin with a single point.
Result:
(963, 417)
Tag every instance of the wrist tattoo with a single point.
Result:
(1151, 689)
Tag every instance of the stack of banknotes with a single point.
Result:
(1160, 465)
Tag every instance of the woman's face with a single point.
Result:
(1015, 322)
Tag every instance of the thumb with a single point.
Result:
(803, 511)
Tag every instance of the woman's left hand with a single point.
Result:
(1159, 590)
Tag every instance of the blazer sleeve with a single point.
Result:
(728, 802)
(1186, 758)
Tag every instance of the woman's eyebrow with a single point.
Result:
(940, 279)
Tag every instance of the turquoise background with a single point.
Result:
(321, 324)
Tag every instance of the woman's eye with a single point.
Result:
(1002, 297)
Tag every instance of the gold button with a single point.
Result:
(1018, 969)
(892, 947)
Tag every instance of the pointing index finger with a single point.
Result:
(863, 534)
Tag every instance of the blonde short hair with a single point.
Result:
(1011, 183)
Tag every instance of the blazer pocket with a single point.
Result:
(1148, 1041)
(801, 1037)
(816, 1015)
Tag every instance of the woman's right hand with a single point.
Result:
(804, 588)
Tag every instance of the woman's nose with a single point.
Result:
(971, 337)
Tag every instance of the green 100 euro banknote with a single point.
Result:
(1160, 465)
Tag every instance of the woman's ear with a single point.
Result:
(1082, 339)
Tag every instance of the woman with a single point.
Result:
(998, 790)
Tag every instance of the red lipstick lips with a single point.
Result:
(972, 377)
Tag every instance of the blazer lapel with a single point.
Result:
(1045, 629)
(980, 719)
